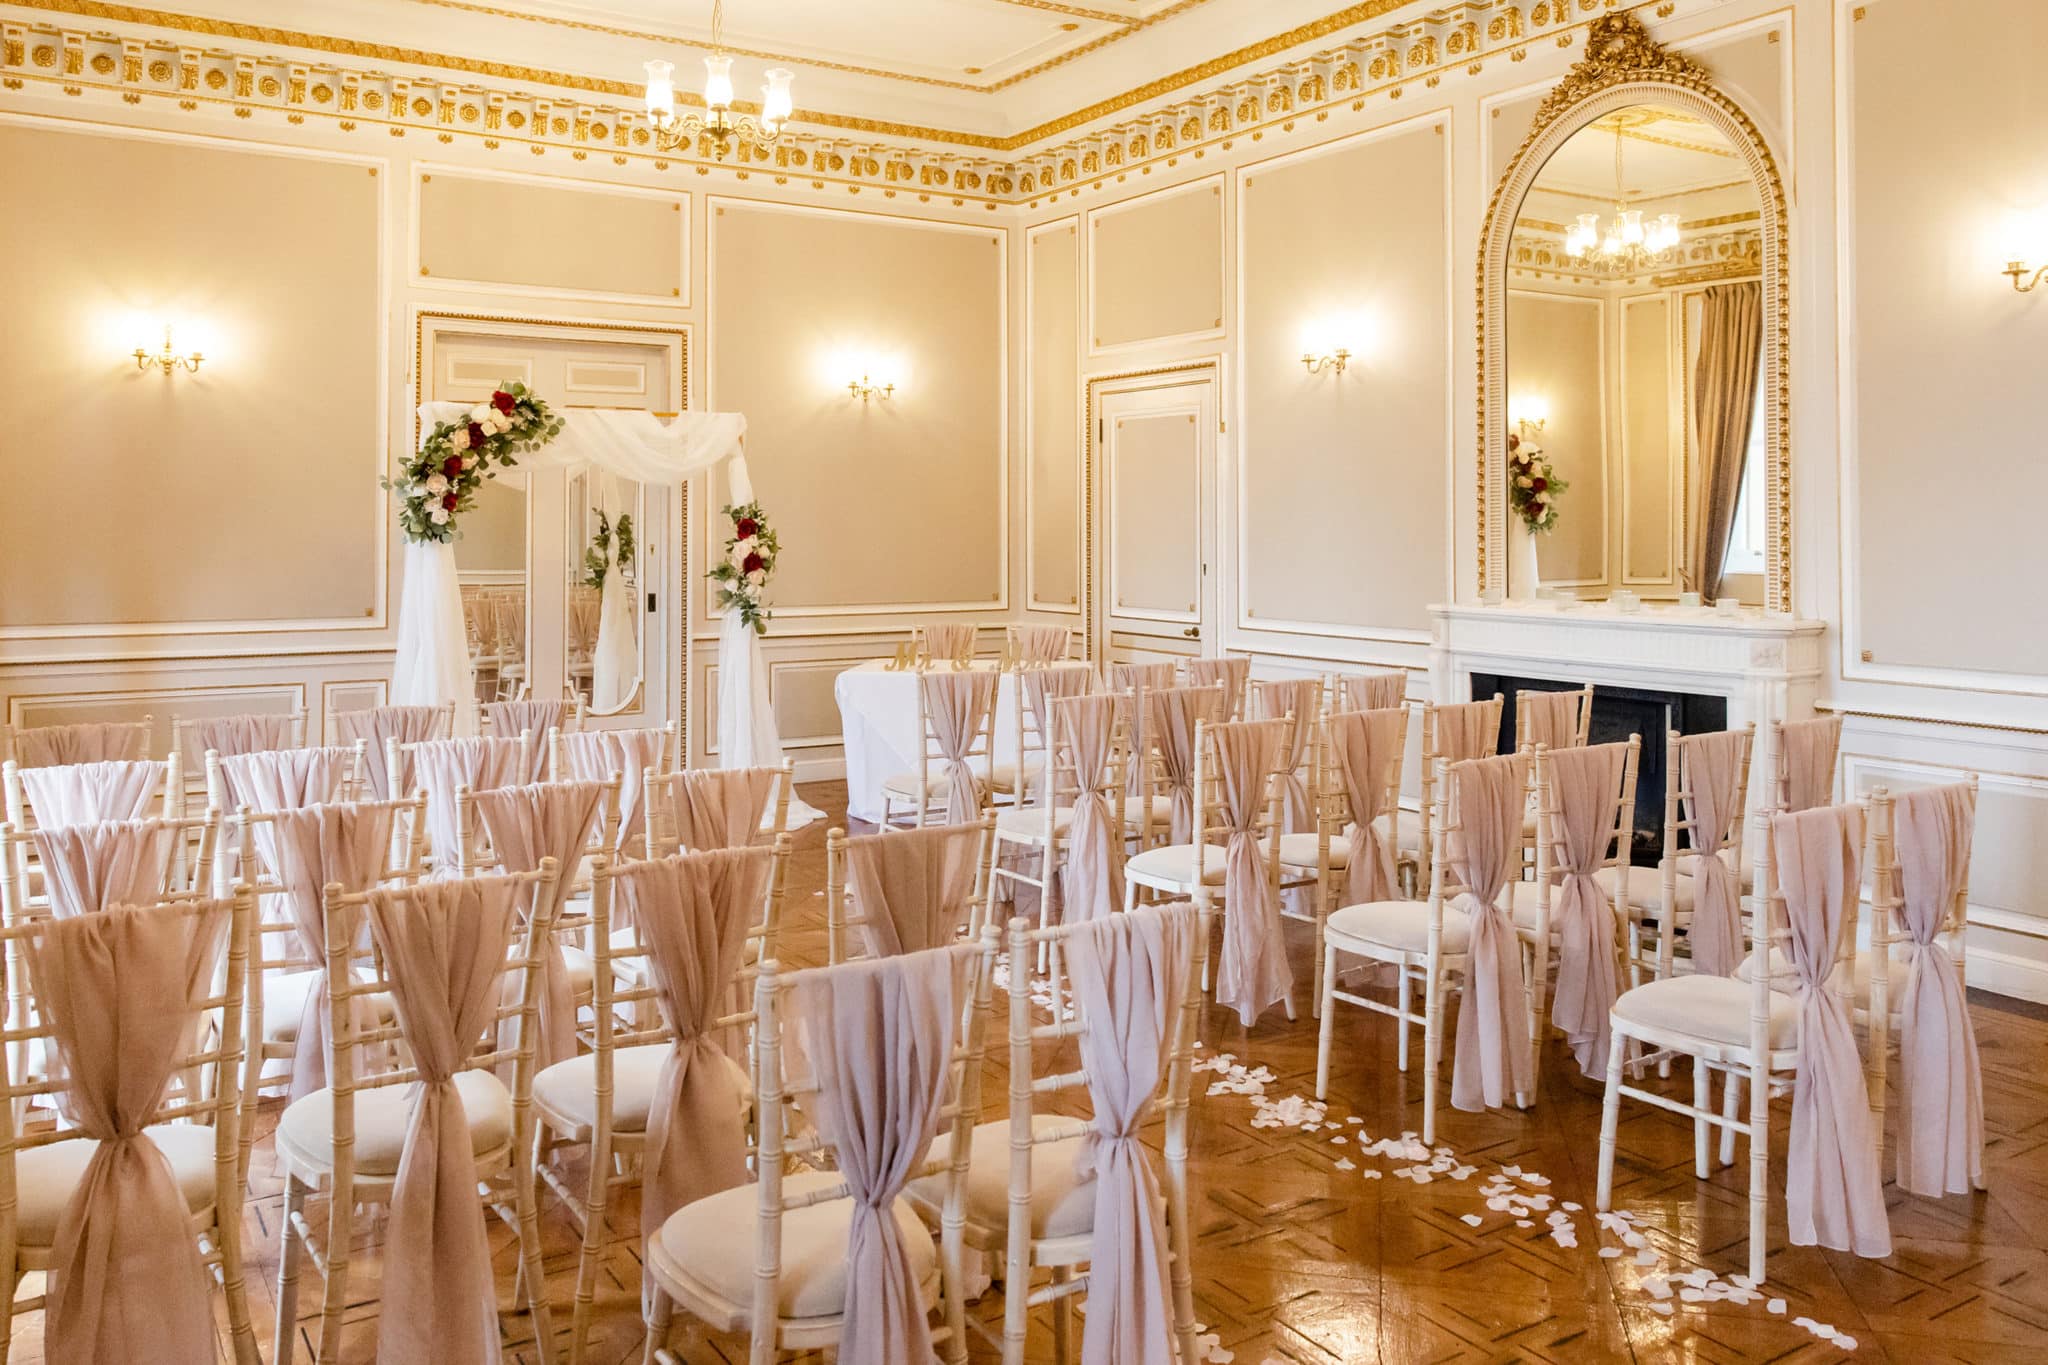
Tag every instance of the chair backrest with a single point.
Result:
(1367, 691)
(1688, 799)
(1035, 687)
(597, 755)
(961, 702)
(43, 746)
(1232, 671)
(407, 724)
(1143, 676)
(1803, 754)
(1172, 717)
(945, 642)
(1213, 821)
(272, 779)
(503, 719)
(703, 808)
(1556, 720)
(904, 894)
(1566, 805)
(442, 767)
(87, 793)
(1452, 732)
(248, 733)
(1031, 643)
(892, 1053)
(85, 868)
(1332, 769)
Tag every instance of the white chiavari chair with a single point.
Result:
(716, 807)
(1231, 672)
(930, 890)
(956, 714)
(943, 643)
(249, 733)
(345, 767)
(596, 755)
(1452, 732)
(1033, 689)
(95, 741)
(376, 724)
(1033, 644)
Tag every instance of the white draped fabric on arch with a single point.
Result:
(432, 665)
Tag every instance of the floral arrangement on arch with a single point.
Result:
(443, 476)
(598, 558)
(1533, 485)
(749, 562)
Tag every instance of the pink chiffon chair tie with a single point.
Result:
(879, 1034)
(1043, 686)
(1834, 1196)
(509, 718)
(283, 779)
(1491, 1063)
(230, 735)
(1549, 718)
(1253, 974)
(121, 991)
(1092, 879)
(722, 807)
(406, 724)
(594, 755)
(1276, 699)
(912, 888)
(1129, 975)
(1466, 730)
(445, 943)
(49, 746)
(949, 642)
(483, 764)
(958, 703)
(1811, 747)
(305, 848)
(1373, 691)
(1231, 673)
(694, 911)
(1711, 769)
(1941, 1084)
(89, 793)
(1041, 644)
(90, 867)
(1588, 982)
(1170, 716)
(1366, 747)
(525, 825)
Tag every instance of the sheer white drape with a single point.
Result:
(433, 658)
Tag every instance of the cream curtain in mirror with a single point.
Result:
(1724, 402)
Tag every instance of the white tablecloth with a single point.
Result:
(878, 720)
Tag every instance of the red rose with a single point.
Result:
(476, 436)
(449, 502)
(1536, 511)
(503, 402)
(452, 466)
(751, 563)
(745, 527)
(1539, 484)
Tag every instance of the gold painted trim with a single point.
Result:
(1864, 713)
(1623, 62)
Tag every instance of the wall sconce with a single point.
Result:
(1529, 414)
(168, 358)
(1333, 361)
(2016, 269)
(864, 389)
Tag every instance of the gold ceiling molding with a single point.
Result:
(1537, 248)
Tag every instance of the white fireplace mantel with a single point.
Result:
(1768, 666)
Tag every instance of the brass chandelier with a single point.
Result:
(718, 122)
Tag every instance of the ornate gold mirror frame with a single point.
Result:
(1623, 65)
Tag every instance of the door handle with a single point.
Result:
(1193, 632)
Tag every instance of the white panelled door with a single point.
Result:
(1156, 542)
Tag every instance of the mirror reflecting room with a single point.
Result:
(1634, 337)
(601, 641)
(491, 565)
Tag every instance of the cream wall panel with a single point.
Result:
(1942, 346)
(895, 502)
(1648, 465)
(1344, 477)
(245, 492)
(1555, 351)
(1052, 424)
(1155, 497)
(494, 530)
(591, 241)
(1156, 267)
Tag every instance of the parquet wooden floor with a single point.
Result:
(1300, 1260)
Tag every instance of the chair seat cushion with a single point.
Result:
(1300, 850)
(1002, 777)
(46, 1177)
(1646, 888)
(1134, 811)
(284, 1003)
(1062, 1205)
(305, 1133)
(1408, 831)
(1174, 865)
(1784, 979)
(1028, 822)
(1712, 1008)
(711, 1242)
(904, 785)
(1402, 925)
(568, 1090)
(1522, 898)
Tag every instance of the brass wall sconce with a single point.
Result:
(1529, 413)
(1333, 361)
(168, 358)
(2016, 270)
(864, 389)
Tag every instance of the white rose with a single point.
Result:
(437, 485)
(439, 516)
(501, 420)
(481, 413)
(758, 577)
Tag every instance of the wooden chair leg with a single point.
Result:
(1610, 1122)
(1062, 1317)
(1402, 999)
(1702, 1101)
(593, 1248)
(1731, 1109)
(1759, 1167)
(658, 1313)
(289, 1254)
(334, 1301)
(1432, 1046)
(1326, 1010)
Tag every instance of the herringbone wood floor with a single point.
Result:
(1298, 1260)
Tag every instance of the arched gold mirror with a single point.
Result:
(1632, 343)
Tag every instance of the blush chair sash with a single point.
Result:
(406, 724)
(282, 779)
(1811, 747)
(1041, 644)
(912, 887)
(116, 862)
(957, 704)
(1711, 769)
(1372, 691)
(1941, 1085)
(694, 910)
(1092, 879)
(1129, 975)
(509, 718)
(89, 793)
(879, 1035)
(445, 943)
(1366, 748)
(483, 764)
(305, 848)
(950, 642)
(1170, 716)
(1492, 1061)
(1587, 782)
(1276, 699)
(253, 733)
(525, 825)
(594, 755)
(722, 807)
(121, 991)
(1253, 974)
(1834, 1196)
(48, 746)
(1549, 718)
(1231, 671)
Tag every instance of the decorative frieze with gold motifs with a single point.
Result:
(1731, 253)
(1360, 64)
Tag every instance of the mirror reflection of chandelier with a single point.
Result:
(1627, 242)
(717, 122)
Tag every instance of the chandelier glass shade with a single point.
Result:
(719, 123)
(1625, 240)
